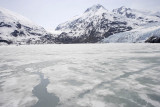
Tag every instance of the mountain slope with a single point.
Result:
(148, 26)
(15, 28)
(93, 25)
(97, 23)
(141, 17)
(139, 35)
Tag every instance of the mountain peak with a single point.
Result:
(121, 10)
(95, 8)
(123, 7)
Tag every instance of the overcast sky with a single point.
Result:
(50, 13)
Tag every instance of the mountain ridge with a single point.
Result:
(17, 29)
(96, 24)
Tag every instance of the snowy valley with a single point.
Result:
(95, 25)
(101, 58)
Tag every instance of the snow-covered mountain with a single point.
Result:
(97, 23)
(93, 25)
(15, 28)
(139, 15)
(148, 26)
(140, 34)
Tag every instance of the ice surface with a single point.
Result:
(82, 75)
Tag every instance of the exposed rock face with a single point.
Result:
(2, 24)
(15, 33)
(17, 29)
(19, 26)
(94, 25)
(125, 12)
(5, 41)
(97, 23)
(153, 39)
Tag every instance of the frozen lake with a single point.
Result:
(80, 75)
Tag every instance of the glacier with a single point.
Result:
(139, 35)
